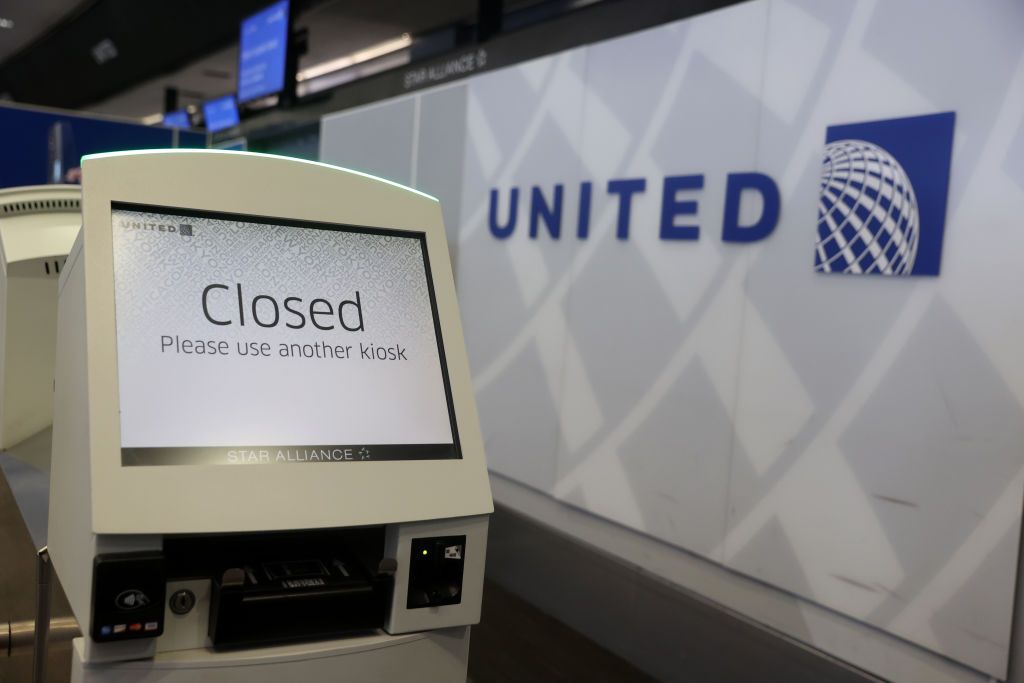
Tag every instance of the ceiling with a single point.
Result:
(105, 46)
(119, 56)
(336, 28)
(31, 19)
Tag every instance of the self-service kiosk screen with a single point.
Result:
(247, 340)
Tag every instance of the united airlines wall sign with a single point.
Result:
(881, 208)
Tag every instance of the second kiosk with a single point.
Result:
(267, 463)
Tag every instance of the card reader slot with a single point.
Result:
(309, 594)
(241, 620)
(294, 569)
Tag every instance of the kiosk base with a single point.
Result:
(438, 656)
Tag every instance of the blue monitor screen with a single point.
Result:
(261, 54)
(177, 119)
(220, 113)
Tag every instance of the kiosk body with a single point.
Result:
(266, 453)
(38, 225)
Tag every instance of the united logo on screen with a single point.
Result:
(884, 184)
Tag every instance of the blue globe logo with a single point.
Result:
(867, 212)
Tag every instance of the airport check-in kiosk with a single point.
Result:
(38, 225)
(267, 463)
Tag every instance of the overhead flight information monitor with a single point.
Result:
(177, 119)
(262, 53)
(288, 342)
(220, 113)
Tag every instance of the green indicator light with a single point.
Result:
(424, 552)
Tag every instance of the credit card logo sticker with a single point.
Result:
(131, 599)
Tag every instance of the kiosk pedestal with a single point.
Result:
(267, 463)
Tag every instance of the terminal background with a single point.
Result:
(526, 310)
(724, 399)
(26, 134)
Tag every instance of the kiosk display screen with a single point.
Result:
(249, 340)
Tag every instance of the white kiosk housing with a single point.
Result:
(38, 225)
(266, 451)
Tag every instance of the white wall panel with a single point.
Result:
(376, 139)
(523, 132)
(654, 323)
(893, 444)
(857, 441)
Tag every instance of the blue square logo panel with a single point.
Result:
(884, 185)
